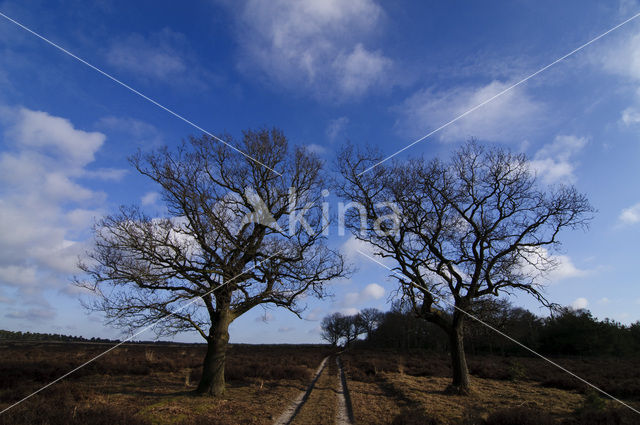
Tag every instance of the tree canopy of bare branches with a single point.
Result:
(337, 327)
(226, 241)
(478, 224)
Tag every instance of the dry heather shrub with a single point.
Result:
(520, 416)
(414, 417)
(149, 355)
(66, 404)
(610, 416)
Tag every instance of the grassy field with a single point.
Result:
(138, 384)
(388, 387)
(149, 384)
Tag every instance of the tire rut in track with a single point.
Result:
(292, 411)
(326, 400)
(344, 414)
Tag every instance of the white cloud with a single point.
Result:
(565, 269)
(314, 44)
(19, 276)
(562, 267)
(135, 131)
(627, 6)
(360, 69)
(315, 314)
(150, 198)
(314, 148)
(604, 300)
(630, 215)
(579, 303)
(554, 162)
(621, 56)
(510, 117)
(349, 311)
(39, 132)
(630, 116)
(45, 211)
(155, 57)
(114, 174)
(336, 128)
(352, 247)
(37, 314)
(372, 291)
(164, 56)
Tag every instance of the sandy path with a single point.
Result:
(290, 413)
(345, 413)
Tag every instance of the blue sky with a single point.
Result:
(377, 73)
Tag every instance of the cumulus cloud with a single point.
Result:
(630, 215)
(38, 132)
(555, 162)
(372, 291)
(562, 266)
(360, 69)
(150, 198)
(565, 269)
(510, 117)
(316, 45)
(45, 209)
(630, 116)
(579, 303)
(353, 247)
(349, 311)
(621, 56)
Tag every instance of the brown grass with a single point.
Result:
(149, 384)
(388, 387)
(320, 407)
(137, 384)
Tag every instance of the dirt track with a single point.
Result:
(325, 401)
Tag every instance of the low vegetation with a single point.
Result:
(153, 384)
(409, 388)
(145, 384)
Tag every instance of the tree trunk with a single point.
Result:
(212, 380)
(460, 383)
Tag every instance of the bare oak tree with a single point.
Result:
(337, 327)
(371, 318)
(332, 328)
(477, 225)
(236, 235)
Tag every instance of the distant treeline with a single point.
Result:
(566, 332)
(36, 336)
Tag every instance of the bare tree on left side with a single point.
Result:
(226, 241)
